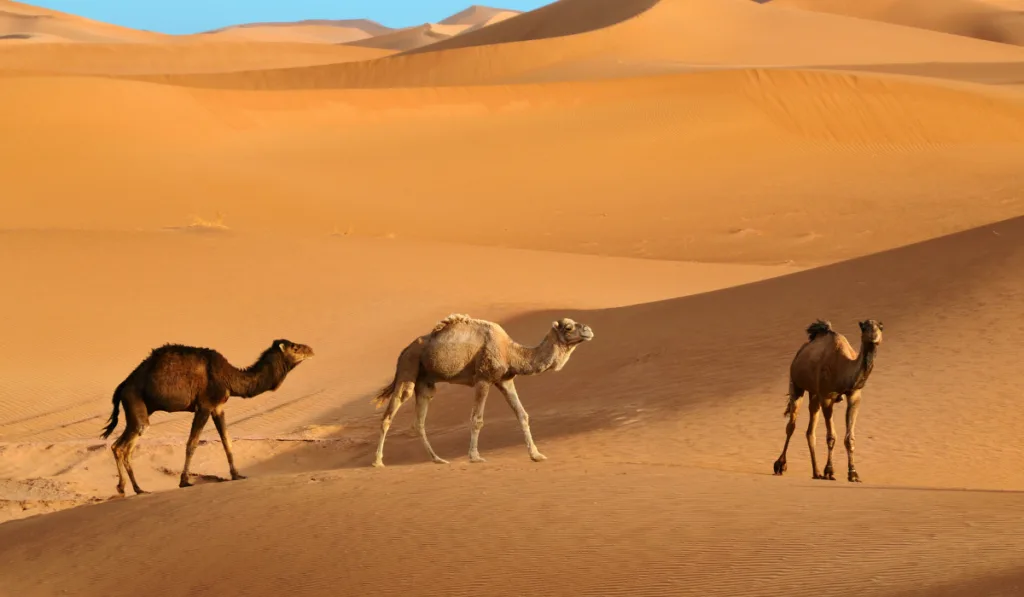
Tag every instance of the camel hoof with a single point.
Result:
(477, 459)
(440, 461)
(120, 490)
(829, 474)
(378, 464)
(140, 491)
(817, 476)
(238, 477)
(185, 483)
(538, 457)
(779, 467)
(853, 477)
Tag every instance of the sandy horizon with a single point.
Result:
(697, 180)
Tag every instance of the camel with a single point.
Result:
(176, 378)
(472, 352)
(828, 369)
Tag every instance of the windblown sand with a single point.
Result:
(698, 180)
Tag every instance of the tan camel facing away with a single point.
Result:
(473, 352)
(828, 369)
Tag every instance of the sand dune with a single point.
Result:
(899, 144)
(570, 40)
(24, 22)
(308, 31)
(148, 59)
(982, 19)
(413, 37)
(697, 180)
(478, 16)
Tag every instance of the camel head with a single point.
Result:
(871, 331)
(571, 333)
(294, 353)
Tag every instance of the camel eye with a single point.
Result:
(568, 327)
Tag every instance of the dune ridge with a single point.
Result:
(644, 37)
(981, 19)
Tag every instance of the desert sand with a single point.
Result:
(697, 180)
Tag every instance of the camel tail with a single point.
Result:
(385, 393)
(112, 421)
(818, 328)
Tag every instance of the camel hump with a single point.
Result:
(451, 320)
(819, 328)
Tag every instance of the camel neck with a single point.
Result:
(264, 375)
(865, 363)
(538, 359)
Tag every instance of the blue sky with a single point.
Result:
(191, 16)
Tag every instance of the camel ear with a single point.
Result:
(555, 325)
(863, 325)
(281, 346)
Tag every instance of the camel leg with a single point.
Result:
(141, 422)
(794, 407)
(830, 440)
(400, 395)
(814, 408)
(198, 422)
(508, 389)
(120, 450)
(222, 428)
(136, 421)
(476, 420)
(424, 393)
(852, 407)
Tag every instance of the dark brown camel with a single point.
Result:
(176, 378)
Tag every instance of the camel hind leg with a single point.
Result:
(403, 391)
(795, 395)
(424, 393)
(136, 421)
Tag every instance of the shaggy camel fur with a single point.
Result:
(828, 369)
(175, 378)
(472, 352)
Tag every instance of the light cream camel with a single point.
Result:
(472, 352)
(828, 369)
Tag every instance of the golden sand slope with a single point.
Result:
(722, 166)
(148, 58)
(660, 436)
(24, 22)
(982, 19)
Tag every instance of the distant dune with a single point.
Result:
(24, 22)
(984, 19)
(411, 38)
(308, 31)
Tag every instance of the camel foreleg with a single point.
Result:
(852, 408)
(508, 389)
(424, 393)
